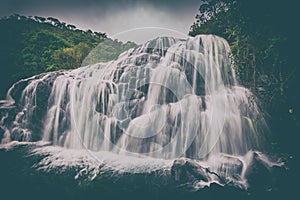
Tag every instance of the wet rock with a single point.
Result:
(1, 133)
(141, 59)
(228, 164)
(187, 170)
(262, 172)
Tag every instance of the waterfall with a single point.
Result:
(167, 98)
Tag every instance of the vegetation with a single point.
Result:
(107, 50)
(262, 41)
(32, 45)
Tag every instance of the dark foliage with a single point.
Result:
(33, 45)
(263, 39)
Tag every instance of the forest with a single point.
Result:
(33, 45)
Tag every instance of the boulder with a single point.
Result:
(187, 170)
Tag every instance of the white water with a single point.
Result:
(167, 98)
(155, 104)
(221, 169)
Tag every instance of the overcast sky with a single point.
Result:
(134, 20)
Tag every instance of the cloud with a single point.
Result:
(114, 17)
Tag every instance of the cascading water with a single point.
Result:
(166, 99)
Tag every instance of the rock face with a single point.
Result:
(24, 111)
(254, 169)
(167, 98)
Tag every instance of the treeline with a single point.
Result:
(33, 45)
(263, 41)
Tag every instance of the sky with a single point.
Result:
(125, 20)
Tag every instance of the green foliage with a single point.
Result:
(263, 43)
(70, 57)
(107, 50)
(257, 45)
(32, 45)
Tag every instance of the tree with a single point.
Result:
(71, 27)
(264, 46)
(33, 45)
